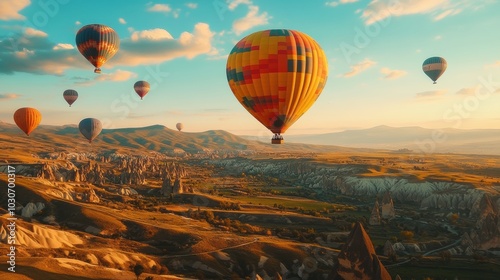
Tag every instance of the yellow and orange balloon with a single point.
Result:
(27, 119)
(277, 75)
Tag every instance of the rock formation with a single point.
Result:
(375, 216)
(388, 249)
(358, 260)
(388, 212)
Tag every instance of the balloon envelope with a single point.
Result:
(179, 126)
(97, 43)
(90, 128)
(27, 119)
(70, 96)
(277, 75)
(434, 67)
(141, 88)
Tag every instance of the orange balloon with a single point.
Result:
(277, 75)
(27, 119)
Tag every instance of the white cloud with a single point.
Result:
(358, 68)
(235, 3)
(37, 55)
(157, 46)
(252, 19)
(62, 46)
(122, 21)
(192, 5)
(392, 74)
(162, 8)
(31, 32)
(151, 35)
(9, 96)
(438, 37)
(431, 94)
(78, 22)
(9, 9)
(117, 76)
(418, 51)
(450, 12)
(340, 2)
(467, 91)
(379, 10)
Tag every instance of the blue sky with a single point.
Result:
(375, 51)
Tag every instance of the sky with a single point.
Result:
(375, 50)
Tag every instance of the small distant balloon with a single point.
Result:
(90, 128)
(70, 96)
(27, 119)
(434, 67)
(97, 43)
(141, 88)
(179, 126)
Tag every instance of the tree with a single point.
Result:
(138, 270)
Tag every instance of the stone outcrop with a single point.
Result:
(31, 209)
(387, 206)
(358, 260)
(375, 215)
(388, 249)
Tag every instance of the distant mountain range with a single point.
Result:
(418, 139)
(151, 138)
(162, 139)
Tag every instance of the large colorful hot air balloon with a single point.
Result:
(90, 128)
(434, 67)
(277, 75)
(97, 43)
(70, 95)
(179, 126)
(141, 88)
(27, 119)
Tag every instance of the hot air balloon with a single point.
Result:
(90, 128)
(141, 88)
(97, 43)
(179, 126)
(70, 96)
(277, 75)
(27, 119)
(434, 67)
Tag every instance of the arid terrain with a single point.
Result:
(212, 205)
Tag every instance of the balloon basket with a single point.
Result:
(97, 71)
(277, 141)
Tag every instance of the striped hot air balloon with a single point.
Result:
(70, 95)
(141, 88)
(277, 75)
(434, 67)
(97, 43)
(27, 119)
(90, 128)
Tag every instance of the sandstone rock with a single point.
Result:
(375, 215)
(31, 209)
(358, 260)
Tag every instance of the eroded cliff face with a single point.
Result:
(479, 203)
(127, 170)
(343, 179)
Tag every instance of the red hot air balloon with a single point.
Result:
(70, 96)
(141, 88)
